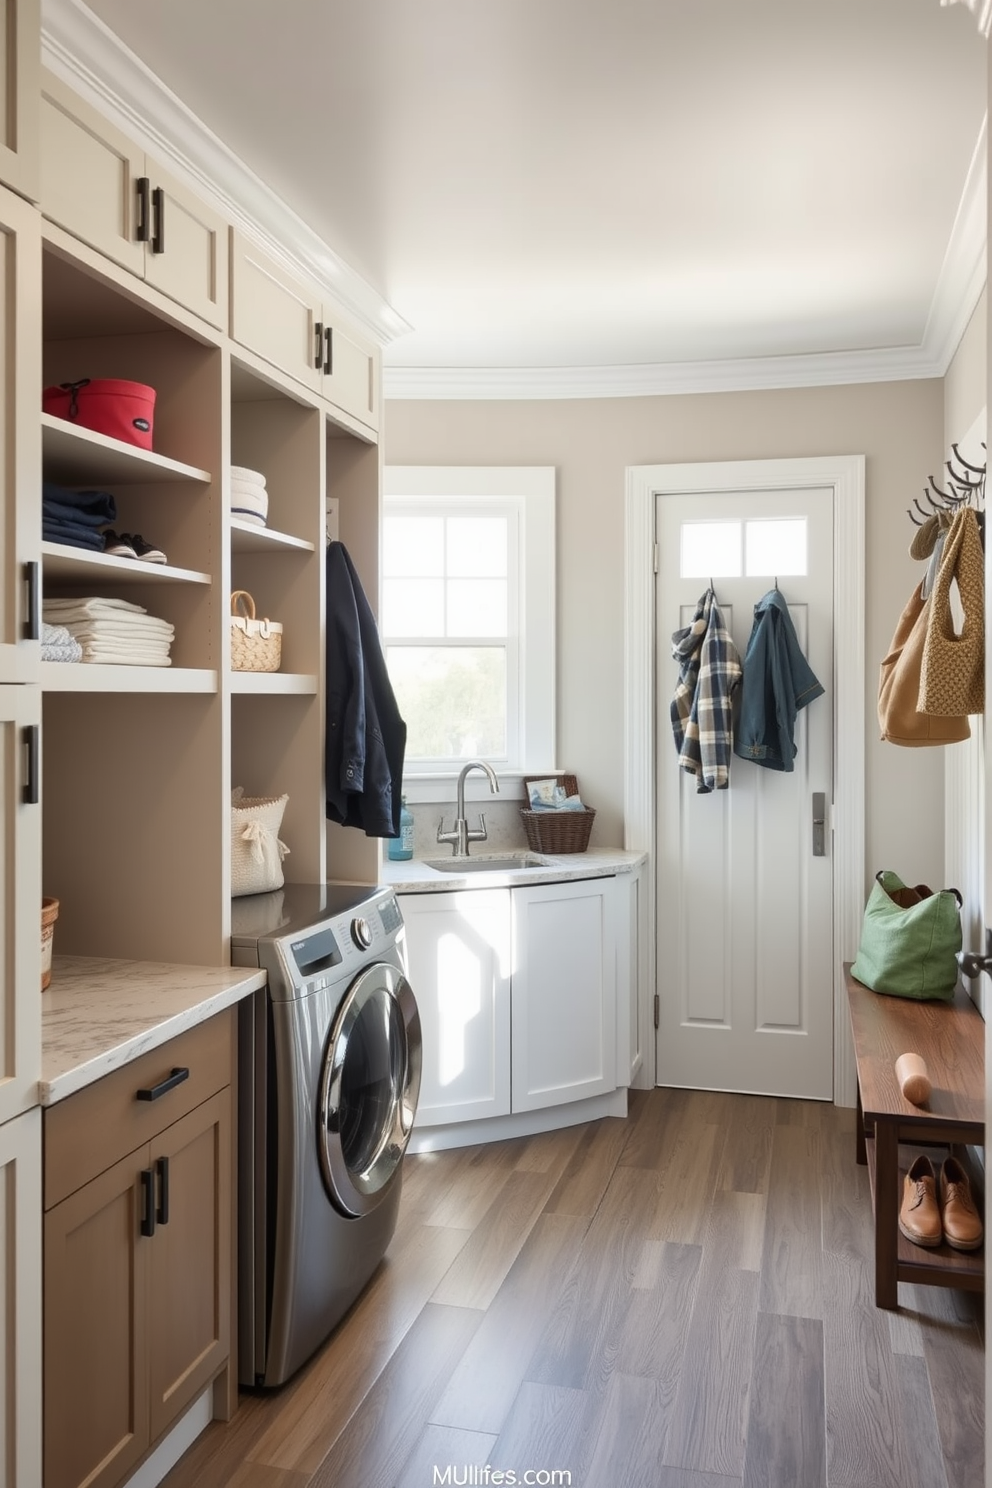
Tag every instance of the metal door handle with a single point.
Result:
(147, 1203)
(162, 1164)
(32, 623)
(318, 356)
(819, 824)
(973, 963)
(143, 228)
(158, 215)
(31, 793)
(329, 353)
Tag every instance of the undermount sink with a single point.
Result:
(491, 863)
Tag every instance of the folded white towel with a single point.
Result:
(125, 658)
(252, 518)
(141, 639)
(246, 476)
(252, 497)
(69, 651)
(93, 604)
(54, 635)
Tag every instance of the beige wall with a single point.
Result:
(899, 427)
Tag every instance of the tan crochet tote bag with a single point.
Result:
(899, 720)
(952, 677)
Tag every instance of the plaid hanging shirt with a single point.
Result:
(702, 708)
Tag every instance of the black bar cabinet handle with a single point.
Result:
(162, 1164)
(176, 1077)
(158, 216)
(142, 231)
(318, 342)
(329, 353)
(147, 1202)
(32, 622)
(32, 785)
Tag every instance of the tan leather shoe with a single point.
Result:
(962, 1226)
(919, 1217)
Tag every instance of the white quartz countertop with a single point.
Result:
(417, 877)
(98, 1014)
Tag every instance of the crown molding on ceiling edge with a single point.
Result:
(649, 380)
(80, 49)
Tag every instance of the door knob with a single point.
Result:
(973, 963)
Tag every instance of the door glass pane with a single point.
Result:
(775, 545)
(476, 547)
(413, 607)
(413, 547)
(711, 550)
(477, 607)
(453, 700)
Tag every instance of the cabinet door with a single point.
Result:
(275, 314)
(631, 979)
(351, 371)
(20, 66)
(20, 903)
(20, 1300)
(563, 1006)
(189, 1293)
(458, 947)
(89, 175)
(20, 441)
(187, 257)
(96, 1345)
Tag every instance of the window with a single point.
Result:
(726, 550)
(468, 615)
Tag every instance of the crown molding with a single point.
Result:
(80, 49)
(651, 380)
(963, 271)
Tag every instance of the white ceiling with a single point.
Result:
(582, 184)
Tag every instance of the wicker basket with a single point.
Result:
(557, 831)
(256, 645)
(49, 914)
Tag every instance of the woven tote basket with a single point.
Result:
(557, 831)
(256, 645)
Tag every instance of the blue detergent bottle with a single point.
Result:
(400, 848)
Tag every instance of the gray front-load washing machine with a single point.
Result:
(329, 1074)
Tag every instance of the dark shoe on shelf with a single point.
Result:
(919, 1216)
(962, 1225)
(118, 546)
(147, 552)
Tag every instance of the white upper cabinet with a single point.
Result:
(20, 899)
(101, 187)
(20, 64)
(283, 319)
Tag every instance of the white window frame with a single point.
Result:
(531, 490)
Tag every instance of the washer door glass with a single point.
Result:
(369, 1088)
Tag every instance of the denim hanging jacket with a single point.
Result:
(777, 682)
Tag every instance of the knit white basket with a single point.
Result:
(256, 851)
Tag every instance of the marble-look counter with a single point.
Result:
(99, 1013)
(417, 877)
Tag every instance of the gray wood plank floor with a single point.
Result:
(682, 1299)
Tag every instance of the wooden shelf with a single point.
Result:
(78, 457)
(61, 676)
(261, 684)
(79, 566)
(246, 537)
(941, 1265)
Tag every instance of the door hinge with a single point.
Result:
(657, 1011)
(656, 558)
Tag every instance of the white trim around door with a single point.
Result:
(844, 476)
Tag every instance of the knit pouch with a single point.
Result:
(256, 851)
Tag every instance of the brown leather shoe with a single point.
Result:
(962, 1226)
(919, 1217)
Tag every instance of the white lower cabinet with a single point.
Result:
(517, 995)
(459, 950)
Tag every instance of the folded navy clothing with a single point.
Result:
(95, 503)
(54, 511)
(73, 538)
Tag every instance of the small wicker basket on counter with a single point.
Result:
(557, 831)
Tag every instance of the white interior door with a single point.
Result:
(744, 912)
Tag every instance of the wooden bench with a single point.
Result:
(950, 1037)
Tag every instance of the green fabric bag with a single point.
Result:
(909, 939)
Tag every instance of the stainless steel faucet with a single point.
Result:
(463, 834)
